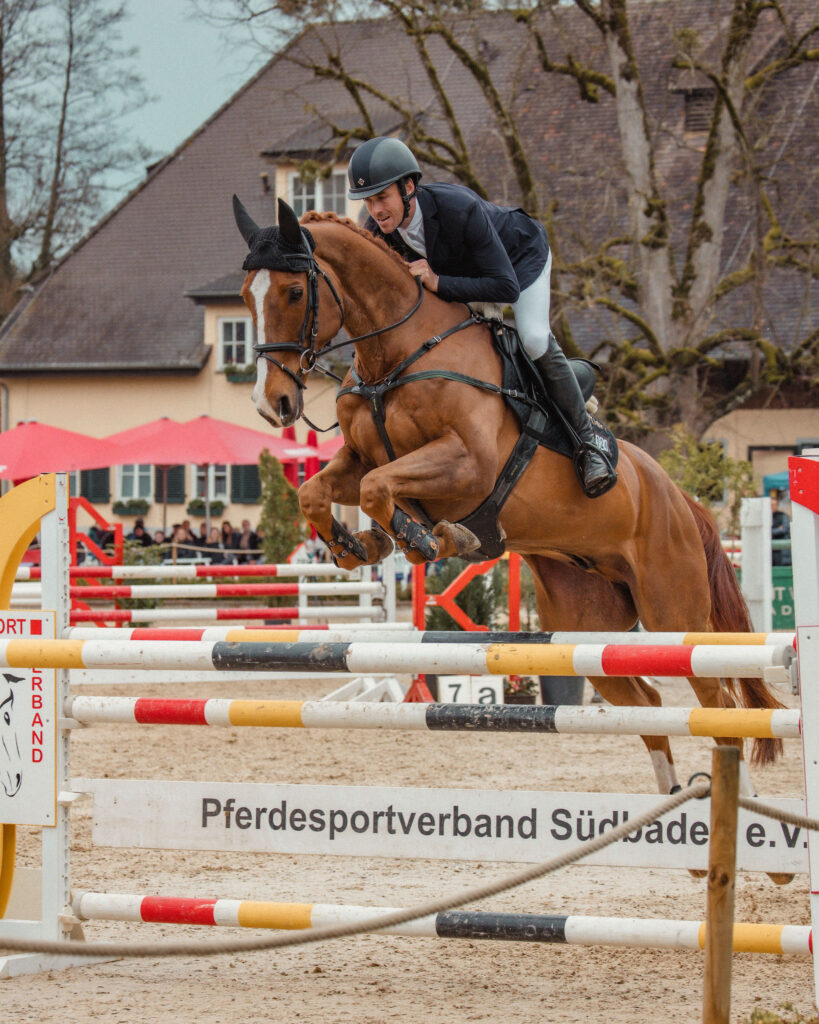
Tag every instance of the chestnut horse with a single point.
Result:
(643, 551)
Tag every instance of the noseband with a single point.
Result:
(306, 345)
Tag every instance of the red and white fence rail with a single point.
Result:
(221, 804)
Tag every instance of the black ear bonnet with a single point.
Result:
(287, 246)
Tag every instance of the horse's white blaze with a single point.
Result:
(259, 288)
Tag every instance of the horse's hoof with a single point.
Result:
(697, 874)
(383, 543)
(462, 540)
(780, 877)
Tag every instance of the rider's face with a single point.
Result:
(387, 209)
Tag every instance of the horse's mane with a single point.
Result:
(313, 216)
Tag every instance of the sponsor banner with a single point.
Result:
(447, 824)
(28, 729)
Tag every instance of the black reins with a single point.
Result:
(307, 348)
(372, 393)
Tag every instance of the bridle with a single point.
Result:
(306, 345)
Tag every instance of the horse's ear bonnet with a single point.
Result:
(286, 247)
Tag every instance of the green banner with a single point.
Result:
(783, 617)
(782, 580)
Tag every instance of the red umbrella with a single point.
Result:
(328, 448)
(291, 471)
(203, 441)
(313, 464)
(144, 432)
(32, 448)
(134, 439)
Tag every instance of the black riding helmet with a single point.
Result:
(380, 162)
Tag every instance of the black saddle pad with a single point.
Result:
(521, 374)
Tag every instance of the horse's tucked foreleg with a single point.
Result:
(340, 481)
(414, 536)
(442, 470)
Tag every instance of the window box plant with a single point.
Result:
(240, 374)
(196, 507)
(131, 507)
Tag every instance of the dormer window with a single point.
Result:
(699, 110)
(327, 195)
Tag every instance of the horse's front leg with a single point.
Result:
(340, 481)
(443, 470)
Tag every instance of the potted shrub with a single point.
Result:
(519, 690)
(479, 599)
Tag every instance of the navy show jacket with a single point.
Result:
(481, 252)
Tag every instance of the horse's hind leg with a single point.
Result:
(663, 607)
(634, 691)
(569, 598)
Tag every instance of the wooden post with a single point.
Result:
(722, 858)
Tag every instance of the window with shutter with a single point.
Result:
(95, 485)
(245, 485)
(176, 484)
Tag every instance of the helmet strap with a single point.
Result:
(406, 199)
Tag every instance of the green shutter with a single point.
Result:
(176, 485)
(245, 485)
(95, 485)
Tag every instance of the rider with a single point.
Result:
(469, 250)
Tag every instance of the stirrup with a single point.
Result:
(601, 486)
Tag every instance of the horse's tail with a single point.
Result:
(729, 614)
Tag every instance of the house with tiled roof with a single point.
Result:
(142, 318)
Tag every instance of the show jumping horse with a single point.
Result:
(644, 551)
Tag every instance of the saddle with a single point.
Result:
(541, 423)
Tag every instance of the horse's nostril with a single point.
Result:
(284, 409)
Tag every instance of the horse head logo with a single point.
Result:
(11, 763)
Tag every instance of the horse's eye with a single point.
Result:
(295, 294)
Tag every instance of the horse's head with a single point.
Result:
(11, 764)
(283, 290)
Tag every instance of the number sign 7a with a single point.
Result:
(470, 689)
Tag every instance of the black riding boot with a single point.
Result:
(594, 471)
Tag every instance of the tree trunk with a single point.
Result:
(46, 254)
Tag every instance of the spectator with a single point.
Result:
(214, 546)
(159, 537)
(202, 541)
(191, 536)
(780, 530)
(139, 534)
(229, 539)
(246, 541)
(259, 545)
(102, 538)
(179, 544)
